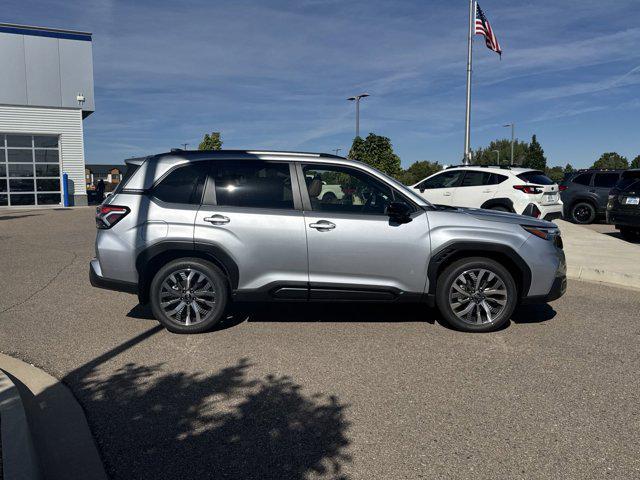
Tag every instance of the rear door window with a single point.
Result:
(605, 180)
(474, 178)
(583, 179)
(539, 178)
(253, 184)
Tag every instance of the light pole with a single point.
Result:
(337, 150)
(498, 152)
(513, 126)
(357, 98)
(185, 145)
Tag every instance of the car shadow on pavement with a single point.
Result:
(302, 312)
(536, 313)
(158, 424)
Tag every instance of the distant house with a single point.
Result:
(111, 174)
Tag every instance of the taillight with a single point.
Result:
(562, 188)
(528, 189)
(108, 215)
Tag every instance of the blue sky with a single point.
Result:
(275, 74)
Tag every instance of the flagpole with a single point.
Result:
(467, 131)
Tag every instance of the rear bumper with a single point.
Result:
(98, 281)
(623, 219)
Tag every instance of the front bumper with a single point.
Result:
(98, 281)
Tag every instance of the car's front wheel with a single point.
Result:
(189, 295)
(476, 295)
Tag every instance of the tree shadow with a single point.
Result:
(156, 425)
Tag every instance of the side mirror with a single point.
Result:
(399, 212)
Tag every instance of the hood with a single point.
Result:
(504, 217)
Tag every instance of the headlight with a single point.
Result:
(550, 234)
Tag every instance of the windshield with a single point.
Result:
(539, 178)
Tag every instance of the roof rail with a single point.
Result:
(504, 167)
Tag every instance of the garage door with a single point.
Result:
(29, 170)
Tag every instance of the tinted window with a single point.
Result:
(346, 190)
(496, 178)
(443, 180)
(605, 180)
(253, 184)
(583, 179)
(630, 178)
(183, 185)
(475, 179)
(539, 178)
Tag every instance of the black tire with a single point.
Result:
(583, 213)
(499, 208)
(445, 284)
(630, 234)
(329, 197)
(218, 296)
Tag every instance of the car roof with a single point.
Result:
(493, 169)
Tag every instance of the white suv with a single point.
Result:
(517, 190)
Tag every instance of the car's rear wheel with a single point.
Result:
(583, 213)
(189, 295)
(476, 295)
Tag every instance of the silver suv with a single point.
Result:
(191, 231)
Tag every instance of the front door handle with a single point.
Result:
(323, 225)
(447, 194)
(217, 219)
(487, 191)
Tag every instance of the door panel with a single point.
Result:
(352, 243)
(474, 190)
(255, 221)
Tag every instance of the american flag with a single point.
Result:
(483, 28)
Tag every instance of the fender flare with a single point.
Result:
(455, 250)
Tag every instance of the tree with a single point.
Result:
(568, 168)
(488, 156)
(635, 163)
(417, 171)
(377, 151)
(555, 173)
(534, 157)
(611, 161)
(211, 142)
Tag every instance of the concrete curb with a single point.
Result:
(596, 275)
(18, 455)
(63, 444)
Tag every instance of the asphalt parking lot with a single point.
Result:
(321, 391)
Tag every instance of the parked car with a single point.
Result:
(585, 193)
(191, 232)
(623, 207)
(517, 190)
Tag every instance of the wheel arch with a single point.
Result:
(150, 260)
(503, 254)
(499, 202)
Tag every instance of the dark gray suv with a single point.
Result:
(585, 194)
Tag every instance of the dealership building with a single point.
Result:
(46, 90)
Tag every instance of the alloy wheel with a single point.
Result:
(188, 296)
(478, 296)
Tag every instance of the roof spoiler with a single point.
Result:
(135, 161)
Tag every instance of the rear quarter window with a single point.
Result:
(539, 178)
(582, 179)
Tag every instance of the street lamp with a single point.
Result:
(337, 150)
(513, 126)
(498, 152)
(185, 145)
(357, 98)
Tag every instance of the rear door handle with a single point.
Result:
(322, 225)
(447, 194)
(487, 191)
(217, 219)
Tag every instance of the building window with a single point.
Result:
(29, 170)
